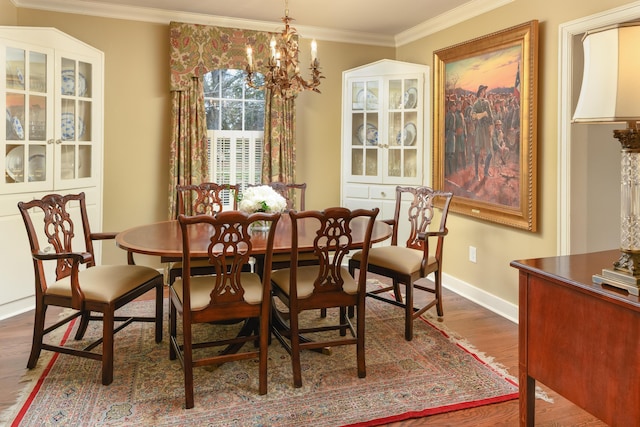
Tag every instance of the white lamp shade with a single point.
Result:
(611, 80)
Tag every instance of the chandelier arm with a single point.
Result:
(282, 74)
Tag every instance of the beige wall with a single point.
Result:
(8, 13)
(137, 120)
(498, 245)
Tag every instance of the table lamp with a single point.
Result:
(611, 93)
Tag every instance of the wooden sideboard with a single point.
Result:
(580, 339)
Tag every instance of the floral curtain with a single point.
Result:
(194, 50)
(188, 149)
(279, 161)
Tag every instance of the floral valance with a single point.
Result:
(196, 49)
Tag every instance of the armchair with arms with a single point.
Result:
(405, 265)
(96, 288)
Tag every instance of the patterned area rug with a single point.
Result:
(432, 374)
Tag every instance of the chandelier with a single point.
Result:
(282, 76)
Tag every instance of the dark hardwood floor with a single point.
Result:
(488, 332)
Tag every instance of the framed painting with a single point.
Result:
(485, 126)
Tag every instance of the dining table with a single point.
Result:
(164, 239)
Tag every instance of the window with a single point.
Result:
(235, 123)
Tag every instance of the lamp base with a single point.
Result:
(618, 279)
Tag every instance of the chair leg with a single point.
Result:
(352, 269)
(295, 350)
(323, 312)
(84, 323)
(408, 315)
(107, 346)
(38, 330)
(343, 320)
(438, 289)
(172, 330)
(159, 309)
(263, 359)
(360, 354)
(396, 290)
(188, 367)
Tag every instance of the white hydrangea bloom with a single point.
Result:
(262, 198)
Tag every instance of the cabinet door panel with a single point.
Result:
(28, 106)
(51, 93)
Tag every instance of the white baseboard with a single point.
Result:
(489, 301)
(16, 307)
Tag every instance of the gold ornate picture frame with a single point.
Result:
(485, 126)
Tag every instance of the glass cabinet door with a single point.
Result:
(76, 113)
(365, 121)
(49, 107)
(384, 129)
(403, 125)
(28, 107)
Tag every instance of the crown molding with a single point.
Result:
(449, 19)
(462, 13)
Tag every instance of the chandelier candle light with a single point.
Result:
(282, 76)
(611, 93)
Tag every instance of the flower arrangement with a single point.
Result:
(262, 198)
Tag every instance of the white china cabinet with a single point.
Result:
(51, 91)
(385, 133)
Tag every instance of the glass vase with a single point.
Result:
(260, 226)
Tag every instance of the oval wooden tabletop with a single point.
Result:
(164, 239)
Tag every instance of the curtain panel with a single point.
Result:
(195, 50)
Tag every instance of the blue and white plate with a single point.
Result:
(82, 85)
(367, 98)
(408, 135)
(68, 82)
(17, 127)
(411, 98)
(370, 135)
(68, 126)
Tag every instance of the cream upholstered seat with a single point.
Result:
(227, 295)
(323, 285)
(417, 259)
(102, 289)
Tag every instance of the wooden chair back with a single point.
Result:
(58, 235)
(420, 213)
(206, 198)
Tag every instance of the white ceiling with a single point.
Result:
(384, 22)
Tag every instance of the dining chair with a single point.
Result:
(324, 285)
(207, 198)
(228, 295)
(417, 259)
(79, 283)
